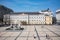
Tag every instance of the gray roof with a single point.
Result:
(31, 13)
(58, 12)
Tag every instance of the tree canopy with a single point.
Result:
(4, 10)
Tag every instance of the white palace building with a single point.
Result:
(41, 17)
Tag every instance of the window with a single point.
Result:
(32, 20)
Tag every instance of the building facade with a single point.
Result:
(28, 18)
(58, 16)
(48, 20)
(43, 17)
(37, 19)
(15, 18)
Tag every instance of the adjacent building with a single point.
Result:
(58, 16)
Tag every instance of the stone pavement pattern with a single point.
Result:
(29, 33)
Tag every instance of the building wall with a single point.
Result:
(16, 19)
(30, 19)
(48, 20)
(36, 19)
(19, 18)
(6, 19)
(58, 16)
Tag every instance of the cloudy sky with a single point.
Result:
(31, 5)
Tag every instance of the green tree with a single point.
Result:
(4, 10)
(23, 22)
